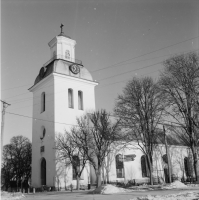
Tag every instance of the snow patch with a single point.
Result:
(180, 196)
(175, 184)
(11, 196)
(111, 189)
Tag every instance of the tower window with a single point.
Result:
(119, 166)
(70, 98)
(80, 100)
(43, 133)
(43, 102)
(67, 54)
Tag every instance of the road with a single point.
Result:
(84, 195)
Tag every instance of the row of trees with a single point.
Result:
(90, 140)
(16, 162)
(146, 104)
(143, 106)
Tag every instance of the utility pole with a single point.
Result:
(168, 155)
(5, 105)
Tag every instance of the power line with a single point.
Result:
(143, 60)
(111, 67)
(138, 68)
(146, 54)
(15, 87)
(20, 100)
(123, 80)
(39, 119)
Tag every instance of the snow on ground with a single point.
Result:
(192, 185)
(175, 184)
(11, 196)
(180, 196)
(109, 189)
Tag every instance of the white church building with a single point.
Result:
(63, 90)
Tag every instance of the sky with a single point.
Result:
(116, 41)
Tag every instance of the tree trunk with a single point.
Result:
(98, 172)
(150, 170)
(103, 174)
(195, 162)
(107, 176)
(77, 186)
(168, 155)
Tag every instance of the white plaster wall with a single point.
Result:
(47, 118)
(60, 44)
(66, 117)
(56, 88)
(63, 113)
(133, 168)
(177, 155)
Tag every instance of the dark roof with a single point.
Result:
(62, 34)
(62, 67)
(173, 138)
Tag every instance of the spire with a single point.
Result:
(62, 32)
(62, 29)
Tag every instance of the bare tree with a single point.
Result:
(16, 163)
(70, 151)
(180, 86)
(96, 133)
(141, 109)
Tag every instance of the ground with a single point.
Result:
(83, 195)
(174, 191)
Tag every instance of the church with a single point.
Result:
(64, 90)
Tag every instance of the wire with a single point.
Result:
(112, 115)
(102, 79)
(123, 80)
(39, 119)
(146, 53)
(15, 87)
(137, 61)
(138, 68)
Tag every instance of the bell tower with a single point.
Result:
(62, 47)
(63, 90)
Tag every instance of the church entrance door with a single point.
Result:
(43, 171)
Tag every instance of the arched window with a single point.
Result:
(43, 171)
(76, 166)
(186, 166)
(119, 166)
(80, 100)
(43, 133)
(43, 102)
(67, 54)
(144, 166)
(166, 171)
(70, 98)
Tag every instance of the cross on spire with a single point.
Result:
(61, 28)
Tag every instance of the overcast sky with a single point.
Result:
(116, 40)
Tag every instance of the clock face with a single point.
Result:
(74, 69)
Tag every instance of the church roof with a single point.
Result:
(173, 138)
(62, 34)
(62, 67)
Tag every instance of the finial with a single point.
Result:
(61, 28)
